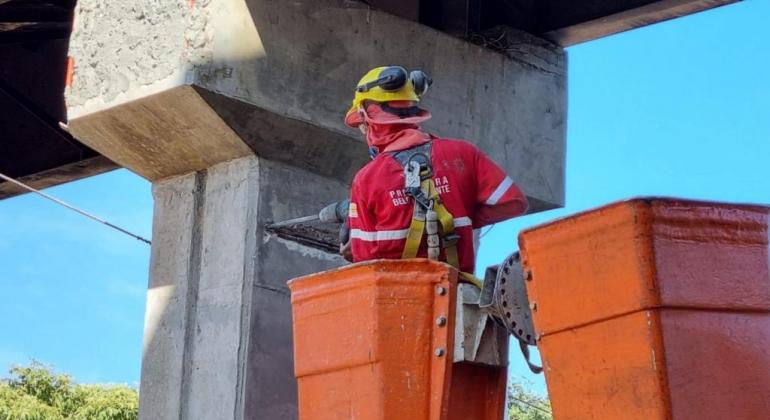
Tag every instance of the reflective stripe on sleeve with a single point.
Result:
(499, 191)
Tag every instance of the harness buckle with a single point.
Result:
(450, 239)
(412, 176)
(420, 198)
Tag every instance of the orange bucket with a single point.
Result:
(374, 341)
(654, 309)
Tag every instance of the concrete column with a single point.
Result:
(218, 325)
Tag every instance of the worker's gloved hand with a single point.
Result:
(345, 249)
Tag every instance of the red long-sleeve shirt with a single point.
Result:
(472, 187)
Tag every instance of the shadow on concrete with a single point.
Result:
(33, 70)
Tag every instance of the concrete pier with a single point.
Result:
(218, 323)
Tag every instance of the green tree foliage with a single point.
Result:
(36, 392)
(526, 405)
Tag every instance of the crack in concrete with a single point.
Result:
(194, 274)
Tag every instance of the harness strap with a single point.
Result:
(426, 196)
(470, 278)
(449, 239)
(414, 237)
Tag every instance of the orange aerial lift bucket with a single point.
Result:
(375, 340)
(654, 309)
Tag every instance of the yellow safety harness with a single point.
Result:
(429, 212)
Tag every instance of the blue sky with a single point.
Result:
(72, 291)
(680, 109)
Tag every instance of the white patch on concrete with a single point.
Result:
(303, 250)
(158, 299)
(237, 37)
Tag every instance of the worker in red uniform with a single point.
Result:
(417, 181)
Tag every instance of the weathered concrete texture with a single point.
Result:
(126, 50)
(167, 298)
(218, 324)
(308, 55)
(166, 134)
(286, 192)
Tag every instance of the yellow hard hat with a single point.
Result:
(390, 83)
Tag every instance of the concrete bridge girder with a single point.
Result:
(128, 50)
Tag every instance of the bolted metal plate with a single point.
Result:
(479, 339)
(511, 301)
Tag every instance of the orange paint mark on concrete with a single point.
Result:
(654, 309)
(190, 3)
(70, 71)
(366, 346)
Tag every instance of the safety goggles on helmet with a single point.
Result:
(387, 84)
(395, 78)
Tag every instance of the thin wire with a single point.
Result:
(527, 403)
(73, 208)
(485, 233)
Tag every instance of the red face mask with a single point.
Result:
(383, 129)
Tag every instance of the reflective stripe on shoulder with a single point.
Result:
(393, 235)
(499, 191)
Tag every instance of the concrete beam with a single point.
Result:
(162, 135)
(654, 12)
(59, 175)
(113, 67)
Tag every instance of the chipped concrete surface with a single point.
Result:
(127, 50)
(307, 251)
